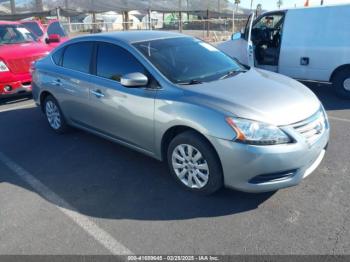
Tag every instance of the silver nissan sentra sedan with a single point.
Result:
(178, 99)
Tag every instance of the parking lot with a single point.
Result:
(80, 194)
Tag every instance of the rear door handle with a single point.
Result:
(97, 93)
(57, 82)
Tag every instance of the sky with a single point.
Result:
(271, 4)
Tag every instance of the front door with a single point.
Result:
(122, 113)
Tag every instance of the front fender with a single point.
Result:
(205, 120)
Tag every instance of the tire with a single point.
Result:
(54, 115)
(200, 175)
(341, 83)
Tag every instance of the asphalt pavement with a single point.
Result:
(80, 194)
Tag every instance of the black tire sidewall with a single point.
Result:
(338, 82)
(215, 181)
(63, 127)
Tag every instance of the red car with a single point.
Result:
(19, 48)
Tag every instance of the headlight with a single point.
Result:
(257, 133)
(3, 67)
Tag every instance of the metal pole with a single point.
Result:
(149, 19)
(13, 6)
(208, 26)
(180, 16)
(233, 20)
(39, 5)
(58, 13)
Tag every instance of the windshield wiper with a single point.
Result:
(232, 73)
(191, 82)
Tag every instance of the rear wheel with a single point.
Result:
(54, 115)
(194, 164)
(341, 82)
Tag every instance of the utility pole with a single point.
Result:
(251, 4)
(13, 6)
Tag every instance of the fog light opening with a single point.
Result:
(8, 88)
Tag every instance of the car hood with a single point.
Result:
(259, 95)
(15, 51)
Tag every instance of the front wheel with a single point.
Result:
(194, 163)
(341, 82)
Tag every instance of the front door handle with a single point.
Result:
(97, 93)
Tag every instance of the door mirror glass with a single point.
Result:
(236, 36)
(54, 38)
(134, 80)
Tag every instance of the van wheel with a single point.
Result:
(54, 115)
(194, 163)
(341, 82)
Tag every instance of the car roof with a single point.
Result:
(133, 36)
(9, 23)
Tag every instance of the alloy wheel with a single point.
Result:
(190, 166)
(53, 114)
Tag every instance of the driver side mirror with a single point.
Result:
(236, 36)
(54, 38)
(134, 80)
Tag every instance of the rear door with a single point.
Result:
(72, 80)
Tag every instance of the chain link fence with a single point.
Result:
(210, 30)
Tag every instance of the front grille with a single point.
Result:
(312, 128)
(22, 65)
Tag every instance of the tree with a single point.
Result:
(279, 3)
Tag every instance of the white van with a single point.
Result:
(310, 44)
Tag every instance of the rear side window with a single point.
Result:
(113, 62)
(57, 56)
(78, 56)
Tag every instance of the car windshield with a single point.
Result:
(14, 34)
(187, 60)
(33, 27)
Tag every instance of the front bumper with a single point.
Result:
(16, 87)
(243, 163)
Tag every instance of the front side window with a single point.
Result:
(186, 60)
(55, 28)
(57, 56)
(269, 22)
(113, 62)
(78, 56)
(14, 34)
